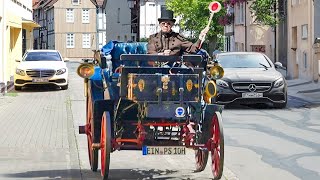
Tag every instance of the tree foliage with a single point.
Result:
(195, 15)
(267, 12)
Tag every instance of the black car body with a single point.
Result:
(250, 78)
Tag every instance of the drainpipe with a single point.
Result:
(245, 27)
(275, 34)
(97, 27)
(138, 20)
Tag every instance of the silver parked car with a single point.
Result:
(250, 78)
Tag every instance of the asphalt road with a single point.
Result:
(40, 140)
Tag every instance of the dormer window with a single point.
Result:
(75, 2)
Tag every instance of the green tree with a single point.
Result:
(267, 12)
(194, 17)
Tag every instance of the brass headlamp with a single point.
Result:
(210, 91)
(85, 70)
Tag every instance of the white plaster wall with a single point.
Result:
(101, 28)
(18, 10)
(149, 14)
(296, 66)
(2, 40)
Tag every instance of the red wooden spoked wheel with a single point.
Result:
(217, 145)
(201, 159)
(93, 153)
(105, 144)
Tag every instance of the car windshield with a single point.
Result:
(42, 56)
(243, 61)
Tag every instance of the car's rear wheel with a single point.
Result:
(64, 87)
(18, 88)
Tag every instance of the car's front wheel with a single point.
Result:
(64, 87)
(17, 88)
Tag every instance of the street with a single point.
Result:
(40, 140)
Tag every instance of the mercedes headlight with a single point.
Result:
(222, 83)
(61, 71)
(278, 82)
(20, 72)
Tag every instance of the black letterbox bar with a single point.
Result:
(160, 58)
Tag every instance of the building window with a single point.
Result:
(118, 17)
(70, 15)
(304, 31)
(258, 48)
(85, 16)
(85, 40)
(305, 60)
(70, 40)
(75, 2)
(240, 13)
(294, 38)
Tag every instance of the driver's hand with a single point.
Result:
(203, 32)
(167, 52)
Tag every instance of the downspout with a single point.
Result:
(97, 27)
(245, 26)
(275, 33)
(138, 20)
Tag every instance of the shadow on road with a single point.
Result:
(38, 88)
(88, 174)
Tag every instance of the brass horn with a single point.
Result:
(209, 91)
(216, 72)
(85, 70)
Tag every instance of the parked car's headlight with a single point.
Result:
(20, 72)
(61, 71)
(278, 82)
(222, 83)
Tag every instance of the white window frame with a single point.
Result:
(85, 41)
(85, 16)
(69, 15)
(75, 2)
(70, 40)
(304, 31)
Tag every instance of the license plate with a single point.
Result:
(252, 95)
(40, 80)
(163, 150)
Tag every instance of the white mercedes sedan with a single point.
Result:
(41, 67)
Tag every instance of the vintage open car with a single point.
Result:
(160, 109)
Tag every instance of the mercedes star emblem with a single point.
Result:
(252, 87)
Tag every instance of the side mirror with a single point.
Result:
(17, 60)
(66, 59)
(279, 65)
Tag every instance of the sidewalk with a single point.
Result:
(304, 89)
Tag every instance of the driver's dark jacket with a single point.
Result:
(174, 41)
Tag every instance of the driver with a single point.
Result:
(167, 42)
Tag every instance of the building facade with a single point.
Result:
(250, 35)
(101, 23)
(301, 62)
(67, 26)
(118, 21)
(16, 26)
(316, 44)
(150, 11)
